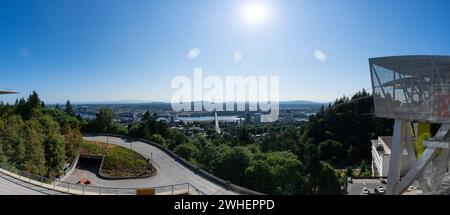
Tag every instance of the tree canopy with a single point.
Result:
(37, 139)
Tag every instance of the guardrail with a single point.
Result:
(199, 171)
(78, 189)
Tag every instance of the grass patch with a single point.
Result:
(119, 161)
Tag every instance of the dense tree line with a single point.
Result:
(37, 139)
(343, 131)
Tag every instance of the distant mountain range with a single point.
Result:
(297, 102)
(301, 102)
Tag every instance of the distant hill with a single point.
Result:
(297, 102)
(142, 104)
(118, 102)
(301, 102)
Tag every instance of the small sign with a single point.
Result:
(146, 192)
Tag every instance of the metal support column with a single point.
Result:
(395, 163)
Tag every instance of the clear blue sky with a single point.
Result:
(97, 50)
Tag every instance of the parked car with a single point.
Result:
(381, 189)
(383, 181)
(366, 191)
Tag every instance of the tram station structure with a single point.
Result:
(415, 92)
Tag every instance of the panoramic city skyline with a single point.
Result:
(93, 52)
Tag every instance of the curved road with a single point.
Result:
(170, 172)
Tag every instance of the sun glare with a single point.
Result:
(255, 13)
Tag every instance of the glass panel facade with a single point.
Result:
(412, 87)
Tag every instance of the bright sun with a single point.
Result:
(255, 12)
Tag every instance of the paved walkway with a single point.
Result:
(13, 186)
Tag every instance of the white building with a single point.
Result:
(381, 155)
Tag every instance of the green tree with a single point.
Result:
(260, 177)
(157, 138)
(34, 101)
(365, 171)
(148, 116)
(105, 119)
(3, 158)
(13, 141)
(54, 145)
(285, 166)
(349, 172)
(313, 167)
(176, 138)
(350, 122)
(331, 151)
(244, 136)
(73, 140)
(232, 163)
(328, 181)
(208, 153)
(69, 110)
(187, 151)
(55, 154)
(34, 149)
(31, 140)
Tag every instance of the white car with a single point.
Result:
(365, 191)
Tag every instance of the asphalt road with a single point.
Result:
(170, 172)
(357, 187)
(12, 186)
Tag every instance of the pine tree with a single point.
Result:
(34, 101)
(69, 109)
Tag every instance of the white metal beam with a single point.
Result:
(395, 163)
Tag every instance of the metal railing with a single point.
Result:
(79, 189)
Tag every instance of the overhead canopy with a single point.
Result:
(7, 92)
(412, 87)
(415, 65)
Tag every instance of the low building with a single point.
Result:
(162, 119)
(127, 117)
(381, 155)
